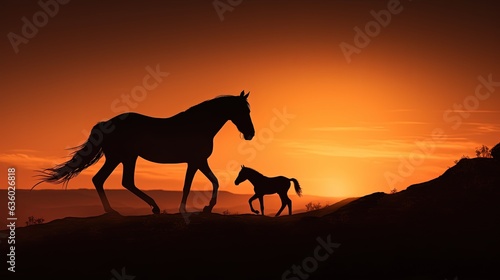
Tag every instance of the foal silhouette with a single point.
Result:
(263, 185)
(185, 137)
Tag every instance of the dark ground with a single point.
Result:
(447, 228)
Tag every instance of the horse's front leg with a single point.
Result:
(205, 169)
(254, 197)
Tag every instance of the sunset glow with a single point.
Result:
(423, 92)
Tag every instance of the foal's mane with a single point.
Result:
(254, 172)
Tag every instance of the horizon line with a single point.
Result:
(180, 191)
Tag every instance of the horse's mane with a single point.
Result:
(218, 99)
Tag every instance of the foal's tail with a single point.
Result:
(296, 185)
(83, 156)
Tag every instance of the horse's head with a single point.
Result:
(242, 176)
(240, 116)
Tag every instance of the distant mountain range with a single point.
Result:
(56, 204)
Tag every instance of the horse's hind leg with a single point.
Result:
(128, 183)
(99, 179)
(284, 202)
(188, 180)
(261, 201)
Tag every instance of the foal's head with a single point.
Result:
(244, 174)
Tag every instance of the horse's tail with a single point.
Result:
(83, 156)
(297, 187)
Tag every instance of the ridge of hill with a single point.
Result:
(446, 228)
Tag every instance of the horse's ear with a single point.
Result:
(242, 166)
(242, 93)
(246, 95)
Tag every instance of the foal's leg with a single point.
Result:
(261, 200)
(128, 183)
(205, 169)
(99, 179)
(255, 196)
(289, 205)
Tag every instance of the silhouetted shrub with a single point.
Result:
(313, 206)
(483, 152)
(34, 221)
(393, 191)
(495, 151)
(464, 156)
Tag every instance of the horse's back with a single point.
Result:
(162, 140)
(131, 119)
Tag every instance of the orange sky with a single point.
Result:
(349, 125)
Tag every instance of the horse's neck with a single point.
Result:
(212, 124)
(208, 122)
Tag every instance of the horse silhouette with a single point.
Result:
(263, 185)
(186, 137)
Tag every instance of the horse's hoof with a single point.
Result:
(207, 209)
(256, 212)
(156, 210)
